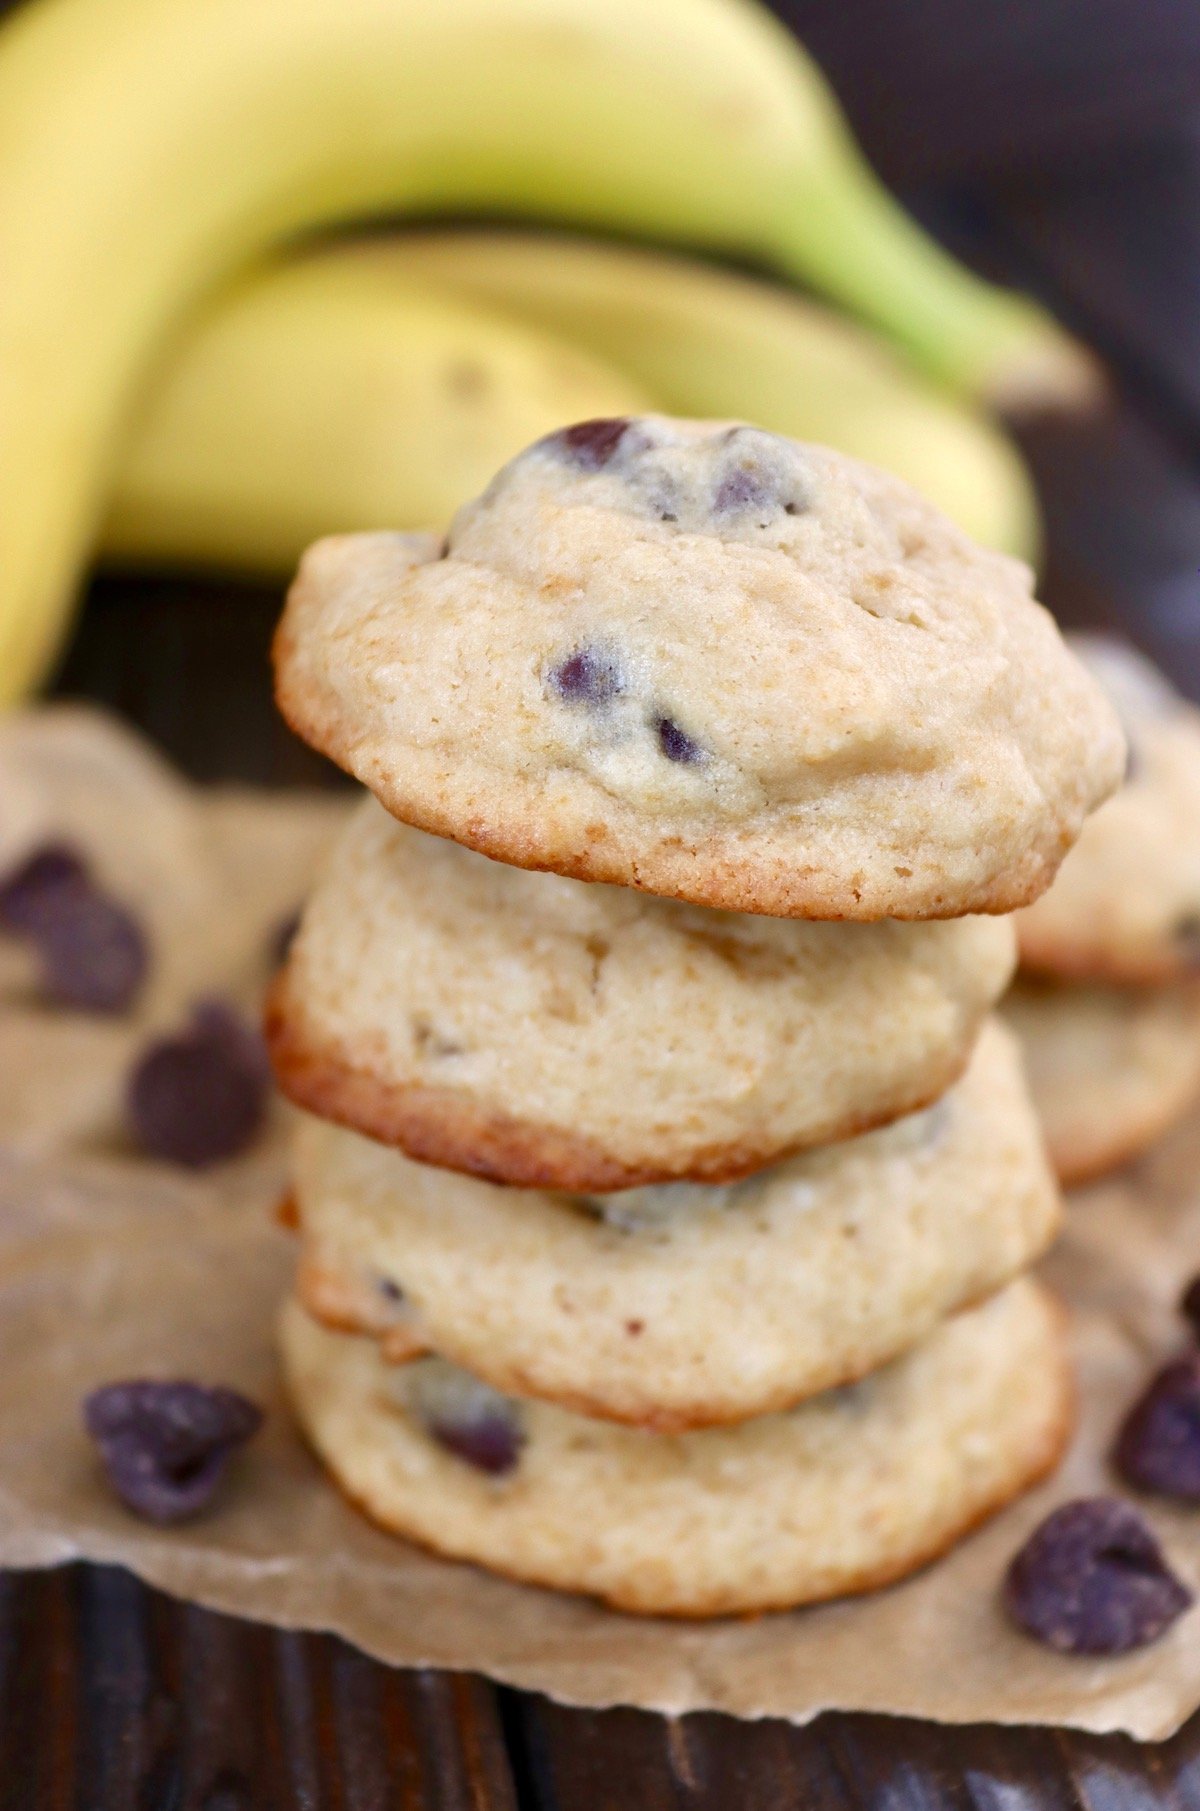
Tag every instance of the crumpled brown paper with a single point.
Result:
(111, 1266)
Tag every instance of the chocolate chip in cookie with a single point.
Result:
(592, 444)
(676, 744)
(468, 1418)
(587, 676)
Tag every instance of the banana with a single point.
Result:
(151, 148)
(703, 341)
(385, 381)
(327, 394)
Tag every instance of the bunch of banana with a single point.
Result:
(149, 149)
(385, 381)
(332, 393)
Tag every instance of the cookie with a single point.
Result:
(539, 1031)
(709, 662)
(685, 1305)
(1110, 1068)
(1126, 904)
(850, 1491)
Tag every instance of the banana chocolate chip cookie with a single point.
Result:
(853, 1489)
(685, 1305)
(1126, 904)
(709, 662)
(1110, 1068)
(543, 1032)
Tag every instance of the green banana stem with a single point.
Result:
(848, 239)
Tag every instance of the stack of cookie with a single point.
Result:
(664, 1187)
(1108, 1000)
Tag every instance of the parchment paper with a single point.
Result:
(111, 1266)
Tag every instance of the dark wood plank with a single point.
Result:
(611, 1759)
(608, 1760)
(40, 1668)
(116, 1698)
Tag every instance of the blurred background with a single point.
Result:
(1055, 145)
(1051, 146)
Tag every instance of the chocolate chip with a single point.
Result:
(1158, 1447)
(588, 676)
(200, 1096)
(93, 952)
(1092, 1579)
(490, 1442)
(24, 892)
(282, 938)
(467, 1417)
(675, 744)
(1185, 934)
(391, 1292)
(591, 444)
(745, 487)
(1189, 1305)
(166, 1445)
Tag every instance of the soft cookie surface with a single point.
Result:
(543, 1032)
(685, 1305)
(1126, 903)
(1110, 1068)
(713, 663)
(852, 1490)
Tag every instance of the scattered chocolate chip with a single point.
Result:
(282, 937)
(93, 953)
(1185, 934)
(166, 1445)
(391, 1292)
(1092, 1579)
(588, 676)
(675, 744)
(24, 892)
(200, 1096)
(1189, 1305)
(1158, 1447)
(591, 444)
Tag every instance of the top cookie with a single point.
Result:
(1126, 906)
(712, 663)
